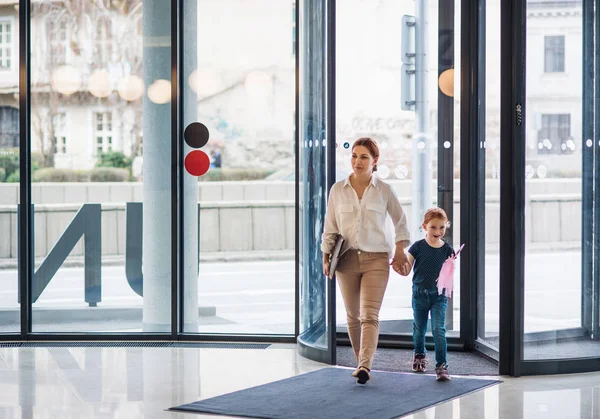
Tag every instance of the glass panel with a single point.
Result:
(554, 293)
(313, 186)
(10, 318)
(194, 315)
(489, 299)
(9, 201)
(368, 104)
(453, 233)
(83, 189)
(240, 83)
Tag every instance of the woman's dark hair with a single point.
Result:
(371, 145)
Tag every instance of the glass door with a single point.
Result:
(488, 292)
(560, 294)
(99, 132)
(238, 90)
(10, 162)
(549, 262)
(316, 174)
(404, 51)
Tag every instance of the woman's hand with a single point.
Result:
(326, 264)
(400, 262)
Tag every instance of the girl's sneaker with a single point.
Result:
(419, 363)
(441, 373)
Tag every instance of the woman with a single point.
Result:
(357, 210)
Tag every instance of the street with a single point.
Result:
(258, 297)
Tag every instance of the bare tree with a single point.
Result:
(87, 35)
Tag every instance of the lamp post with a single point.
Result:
(421, 148)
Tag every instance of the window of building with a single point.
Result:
(294, 28)
(6, 48)
(555, 135)
(9, 127)
(554, 54)
(59, 122)
(103, 132)
(104, 40)
(57, 36)
(139, 26)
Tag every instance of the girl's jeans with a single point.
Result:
(425, 301)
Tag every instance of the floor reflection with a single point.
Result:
(132, 382)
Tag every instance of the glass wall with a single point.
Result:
(369, 103)
(556, 295)
(312, 178)
(101, 166)
(9, 168)
(239, 82)
(489, 298)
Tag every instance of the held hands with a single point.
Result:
(400, 262)
(326, 264)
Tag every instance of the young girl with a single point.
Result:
(427, 257)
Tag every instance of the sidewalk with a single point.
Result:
(207, 257)
(277, 255)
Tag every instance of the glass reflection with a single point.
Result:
(9, 169)
(488, 305)
(368, 98)
(239, 217)
(313, 298)
(100, 150)
(558, 292)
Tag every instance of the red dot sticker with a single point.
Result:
(196, 163)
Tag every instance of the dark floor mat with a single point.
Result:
(400, 360)
(332, 393)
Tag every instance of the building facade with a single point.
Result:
(86, 68)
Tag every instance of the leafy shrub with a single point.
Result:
(220, 175)
(51, 174)
(13, 177)
(36, 161)
(2, 174)
(109, 174)
(113, 159)
(9, 161)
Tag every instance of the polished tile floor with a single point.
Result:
(135, 382)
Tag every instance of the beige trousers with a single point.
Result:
(362, 278)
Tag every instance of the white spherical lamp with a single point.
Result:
(65, 79)
(130, 88)
(99, 84)
(159, 91)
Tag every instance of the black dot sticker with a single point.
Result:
(196, 135)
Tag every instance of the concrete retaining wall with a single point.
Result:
(269, 225)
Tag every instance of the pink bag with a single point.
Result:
(446, 278)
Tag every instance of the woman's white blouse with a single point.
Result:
(362, 223)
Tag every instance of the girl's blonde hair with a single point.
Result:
(435, 213)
